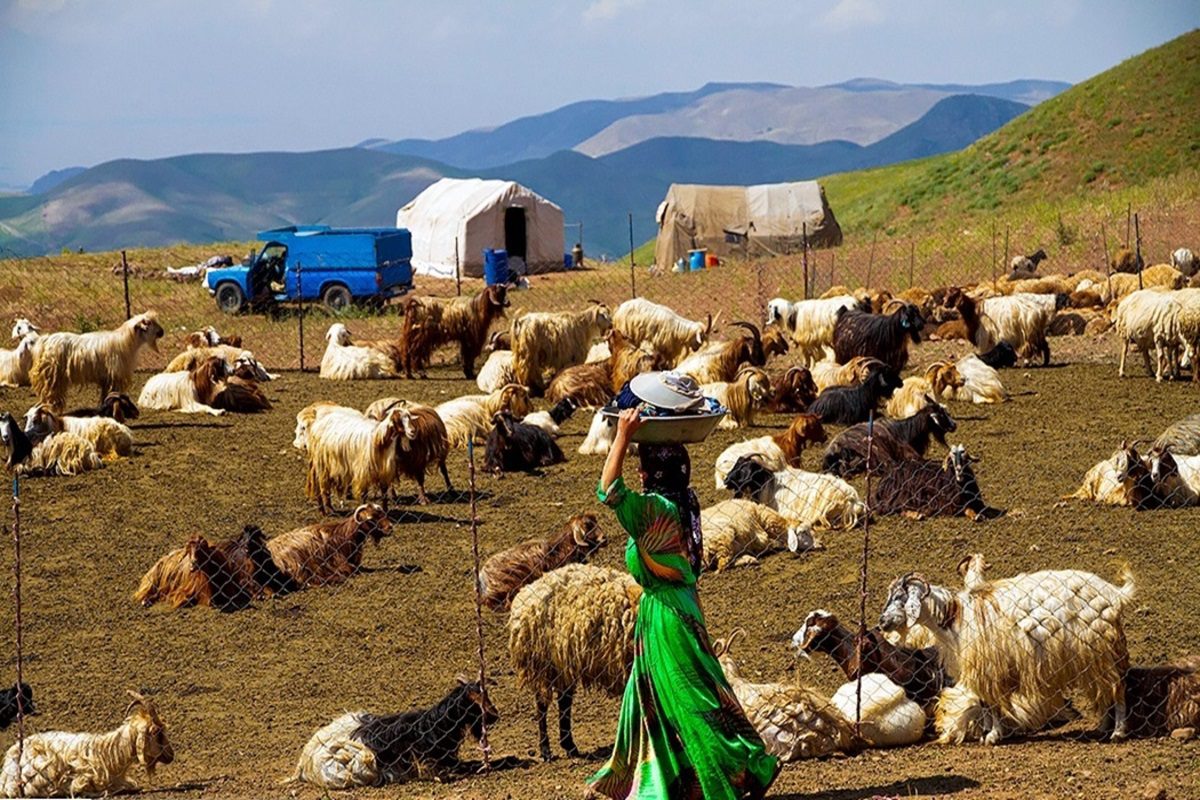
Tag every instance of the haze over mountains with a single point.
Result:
(598, 159)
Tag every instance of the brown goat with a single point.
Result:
(430, 444)
(719, 362)
(774, 342)
(430, 322)
(328, 552)
(593, 385)
(1161, 699)
(805, 429)
(507, 572)
(793, 392)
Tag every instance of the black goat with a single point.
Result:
(8, 704)
(919, 672)
(881, 336)
(847, 405)
(893, 440)
(1001, 356)
(933, 420)
(516, 447)
(414, 743)
(923, 489)
(115, 405)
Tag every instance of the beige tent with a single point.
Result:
(743, 220)
(476, 214)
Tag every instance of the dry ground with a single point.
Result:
(242, 692)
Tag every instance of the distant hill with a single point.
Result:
(1122, 128)
(1027, 91)
(213, 197)
(54, 178)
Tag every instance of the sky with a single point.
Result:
(87, 81)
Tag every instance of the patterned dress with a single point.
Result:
(682, 733)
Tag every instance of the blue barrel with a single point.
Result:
(495, 266)
(696, 259)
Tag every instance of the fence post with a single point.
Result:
(1137, 251)
(1107, 261)
(457, 271)
(1005, 262)
(912, 257)
(300, 316)
(804, 255)
(871, 260)
(483, 739)
(125, 278)
(832, 268)
(993, 254)
(16, 508)
(632, 271)
(861, 642)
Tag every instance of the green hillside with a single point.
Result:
(1124, 128)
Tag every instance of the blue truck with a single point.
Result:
(337, 266)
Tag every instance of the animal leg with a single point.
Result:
(543, 736)
(446, 475)
(1124, 352)
(468, 360)
(422, 499)
(565, 701)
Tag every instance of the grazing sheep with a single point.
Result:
(923, 489)
(469, 417)
(15, 364)
(882, 336)
(668, 334)
(105, 358)
(569, 630)
(9, 698)
(61, 764)
(738, 532)
(507, 572)
(516, 447)
(1185, 261)
(110, 438)
(60, 454)
(891, 441)
(1189, 328)
(793, 392)
(721, 361)
(550, 420)
(811, 323)
(794, 721)
(886, 716)
(361, 749)
(1150, 319)
(773, 452)
(804, 498)
(913, 395)
(346, 361)
(847, 405)
(187, 392)
(544, 343)
(350, 455)
(918, 671)
(496, 371)
(1021, 644)
(828, 372)
(749, 391)
(981, 383)
(1123, 479)
(1182, 437)
(429, 445)
(430, 322)
(329, 552)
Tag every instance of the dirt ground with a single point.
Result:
(243, 692)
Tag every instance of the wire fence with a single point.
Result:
(196, 569)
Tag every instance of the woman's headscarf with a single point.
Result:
(668, 471)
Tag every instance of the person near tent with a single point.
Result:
(681, 731)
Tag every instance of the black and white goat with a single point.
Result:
(549, 421)
(923, 489)
(848, 405)
(1001, 356)
(516, 447)
(882, 336)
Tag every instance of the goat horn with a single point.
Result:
(708, 327)
(891, 303)
(750, 327)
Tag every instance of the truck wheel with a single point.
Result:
(230, 298)
(336, 298)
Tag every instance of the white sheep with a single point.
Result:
(544, 342)
(1022, 320)
(16, 363)
(794, 721)
(60, 764)
(1162, 276)
(105, 358)
(572, 629)
(981, 383)
(737, 532)
(804, 498)
(671, 335)
(351, 455)
(887, 717)
(470, 417)
(1188, 323)
(809, 323)
(334, 759)
(749, 391)
(345, 361)
(1149, 318)
(496, 372)
(1023, 643)
(58, 454)
(110, 438)
(1185, 261)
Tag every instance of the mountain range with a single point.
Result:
(215, 197)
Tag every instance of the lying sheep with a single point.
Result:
(804, 498)
(1122, 479)
(15, 364)
(110, 438)
(981, 383)
(773, 452)
(738, 532)
(59, 454)
(884, 714)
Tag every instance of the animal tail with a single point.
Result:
(1128, 587)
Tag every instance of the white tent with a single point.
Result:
(476, 214)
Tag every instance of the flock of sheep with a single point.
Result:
(992, 659)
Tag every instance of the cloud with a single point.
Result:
(847, 14)
(603, 10)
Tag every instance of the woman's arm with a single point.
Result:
(628, 422)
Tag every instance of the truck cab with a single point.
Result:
(337, 266)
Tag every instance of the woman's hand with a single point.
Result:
(629, 421)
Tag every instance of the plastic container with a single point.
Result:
(679, 429)
(568, 261)
(495, 266)
(711, 260)
(696, 259)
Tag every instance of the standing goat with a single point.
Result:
(810, 323)
(430, 322)
(105, 358)
(668, 334)
(544, 343)
(882, 336)
(1023, 643)
(429, 445)
(350, 455)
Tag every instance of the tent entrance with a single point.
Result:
(514, 232)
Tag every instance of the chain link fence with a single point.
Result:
(866, 579)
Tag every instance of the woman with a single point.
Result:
(681, 733)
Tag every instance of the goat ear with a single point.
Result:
(912, 605)
(579, 530)
(964, 565)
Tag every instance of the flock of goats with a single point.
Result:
(994, 659)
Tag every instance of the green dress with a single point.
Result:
(682, 733)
